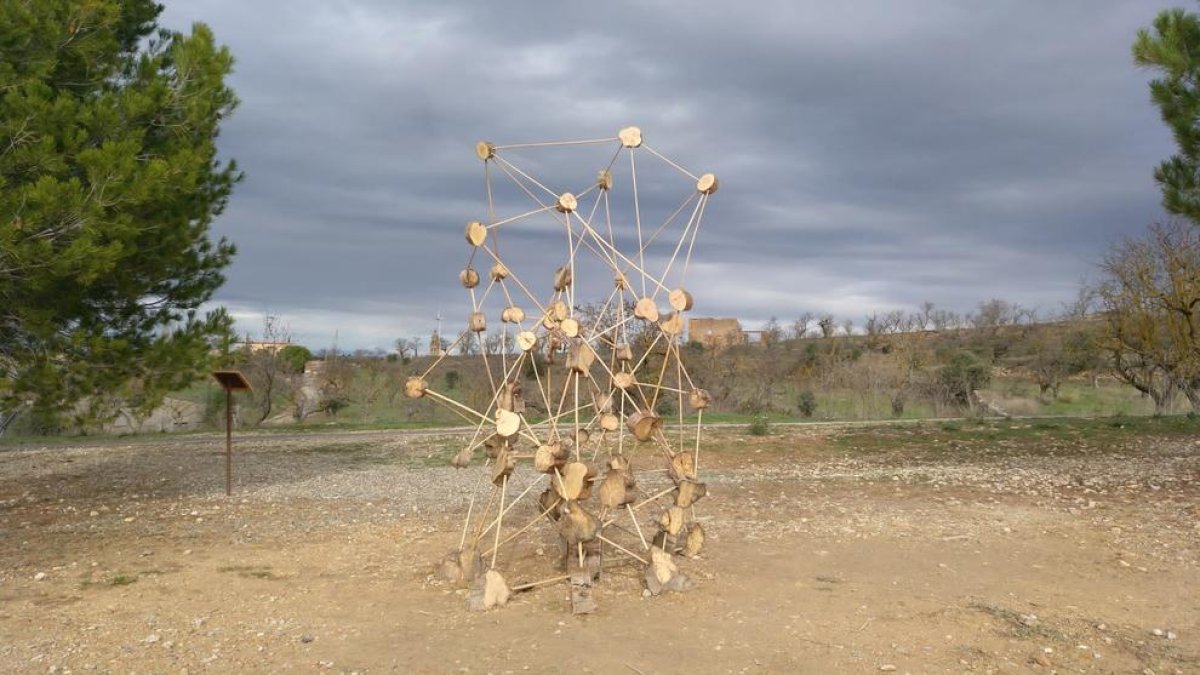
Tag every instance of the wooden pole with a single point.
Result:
(228, 441)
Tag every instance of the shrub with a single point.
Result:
(293, 358)
(759, 426)
(807, 403)
(964, 374)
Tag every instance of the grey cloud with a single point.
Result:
(871, 155)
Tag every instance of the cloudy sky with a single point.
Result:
(871, 156)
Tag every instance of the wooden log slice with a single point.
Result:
(572, 479)
(620, 463)
(581, 358)
(512, 314)
(646, 310)
(672, 325)
(562, 278)
(507, 423)
(672, 520)
(609, 422)
(415, 386)
(526, 340)
(604, 179)
(485, 150)
(689, 492)
(642, 424)
(549, 457)
(581, 437)
(566, 203)
(623, 353)
(462, 567)
(682, 467)
(469, 278)
(462, 459)
(498, 272)
(612, 490)
(699, 399)
(503, 467)
(694, 542)
(680, 299)
(477, 322)
(604, 402)
(661, 571)
(577, 525)
(558, 310)
(624, 380)
(495, 590)
(476, 233)
(707, 184)
(631, 137)
(569, 327)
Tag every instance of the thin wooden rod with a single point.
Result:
(499, 521)
(636, 526)
(510, 219)
(622, 549)
(531, 523)
(543, 582)
(505, 163)
(653, 498)
(543, 144)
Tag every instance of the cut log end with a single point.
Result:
(631, 137)
(415, 386)
(476, 233)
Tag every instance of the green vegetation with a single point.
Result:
(1168, 47)
(249, 571)
(807, 403)
(109, 182)
(759, 426)
(952, 436)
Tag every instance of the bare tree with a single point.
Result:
(995, 313)
(800, 326)
(407, 348)
(945, 319)
(493, 344)
(1151, 298)
(922, 319)
(827, 325)
(772, 332)
(263, 365)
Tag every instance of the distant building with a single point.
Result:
(712, 332)
(435, 344)
(254, 346)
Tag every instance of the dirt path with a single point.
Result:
(1046, 556)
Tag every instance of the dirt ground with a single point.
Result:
(827, 552)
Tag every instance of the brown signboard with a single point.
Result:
(232, 380)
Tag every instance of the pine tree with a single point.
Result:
(1170, 47)
(109, 182)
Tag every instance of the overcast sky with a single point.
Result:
(871, 156)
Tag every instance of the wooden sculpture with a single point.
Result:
(606, 455)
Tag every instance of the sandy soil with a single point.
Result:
(1039, 556)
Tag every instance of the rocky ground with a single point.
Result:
(908, 549)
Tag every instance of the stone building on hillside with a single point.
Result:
(712, 332)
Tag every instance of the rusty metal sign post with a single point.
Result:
(231, 380)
